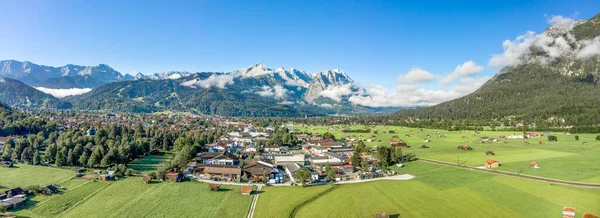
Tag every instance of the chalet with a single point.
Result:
(398, 143)
(49, 189)
(147, 179)
(224, 172)
(246, 190)
(568, 212)
(332, 155)
(12, 192)
(381, 215)
(219, 158)
(319, 150)
(489, 163)
(257, 170)
(275, 149)
(7, 164)
(323, 161)
(348, 168)
(14, 202)
(173, 177)
(534, 165)
(290, 169)
(217, 147)
(297, 158)
(589, 215)
(332, 144)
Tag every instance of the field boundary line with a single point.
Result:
(316, 196)
(82, 200)
(504, 173)
(254, 202)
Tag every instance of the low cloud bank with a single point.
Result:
(61, 93)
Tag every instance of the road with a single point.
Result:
(540, 179)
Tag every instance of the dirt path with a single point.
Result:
(254, 200)
(539, 179)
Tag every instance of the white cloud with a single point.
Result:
(2, 80)
(466, 69)
(286, 102)
(61, 93)
(337, 92)
(277, 91)
(416, 75)
(174, 76)
(513, 50)
(219, 81)
(561, 21)
(590, 48)
(553, 42)
(407, 95)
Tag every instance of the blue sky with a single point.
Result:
(373, 41)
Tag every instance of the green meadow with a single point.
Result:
(566, 159)
(131, 198)
(23, 175)
(148, 163)
(438, 191)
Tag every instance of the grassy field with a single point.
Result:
(131, 198)
(280, 201)
(557, 159)
(148, 163)
(23, 175)
(60, 203)
(438, 191)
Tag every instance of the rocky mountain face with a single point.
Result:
(69, 76)
(557, 75)
(273, 92)
(163, 75)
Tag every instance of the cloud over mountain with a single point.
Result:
(219, 81)
(61, 93)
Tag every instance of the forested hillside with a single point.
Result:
(565, 86)
(19, 94)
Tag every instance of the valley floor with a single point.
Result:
(436, 191)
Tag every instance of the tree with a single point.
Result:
(330, 173)
(83, 159)
(598, 137)
(8, 149)
(364, 164)
(302, 175)
(360, 147)
(356, 158)
(36, 157)
(385, 156)
(398, 157)
(577, 137)
(3, 209)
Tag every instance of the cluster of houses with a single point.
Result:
(270, 163)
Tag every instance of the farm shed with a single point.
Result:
(381, 215)
(489, 163)
(246, 190)
(173, 177)
(568, 212)
(534, 164)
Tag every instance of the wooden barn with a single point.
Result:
(489, 163)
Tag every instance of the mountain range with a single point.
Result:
(557, 75)
(253, 91)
